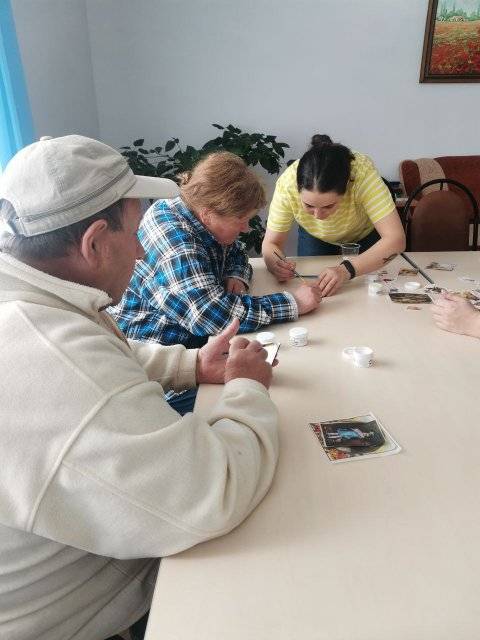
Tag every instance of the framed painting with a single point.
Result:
(451, 47)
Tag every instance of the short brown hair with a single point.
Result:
(223, 183)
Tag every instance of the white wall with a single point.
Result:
(54, 44)
(122, 69)
(162, 68)
(291, 68)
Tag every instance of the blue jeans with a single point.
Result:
(182, 402)
(310, 246)
(137, 630)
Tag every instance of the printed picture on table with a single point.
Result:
(353, 438)
(468, 295)
(410, 298)
(408, 272)
(351, 434)
(451, 46)
(440, 266)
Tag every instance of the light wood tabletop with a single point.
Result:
(372, 549)
(466, 265)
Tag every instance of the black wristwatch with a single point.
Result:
(350, 268)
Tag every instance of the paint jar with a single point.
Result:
(265, 337)
(412, 286)
(298, 337)
(375, 288)
(363, 357)
(359, 356)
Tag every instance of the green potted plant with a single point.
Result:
(172, 159)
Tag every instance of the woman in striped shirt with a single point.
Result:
(335, 196)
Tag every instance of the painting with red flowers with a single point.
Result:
(451, 48)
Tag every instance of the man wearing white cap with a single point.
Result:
(100, 476)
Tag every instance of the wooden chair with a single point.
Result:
(441, 221)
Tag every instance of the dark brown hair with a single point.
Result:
(325, 166)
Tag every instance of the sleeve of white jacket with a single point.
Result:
(141, 481)
(173, 366)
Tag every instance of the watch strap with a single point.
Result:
(350, 268)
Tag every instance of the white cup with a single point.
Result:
(362, 357)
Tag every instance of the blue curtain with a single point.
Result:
(16, 128)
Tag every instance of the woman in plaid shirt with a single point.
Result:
(195, 275)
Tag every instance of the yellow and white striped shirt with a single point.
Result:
(366, 201)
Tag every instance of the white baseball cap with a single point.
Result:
(56, 182)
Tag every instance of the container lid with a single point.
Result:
(266, 337)
(298, 331)
(349, 352)
(412, 286)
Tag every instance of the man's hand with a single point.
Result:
(307, 297)
(234, 285)
(331, 279)
(454, 313)
(212, 357)
(282, 270)
(247, 360)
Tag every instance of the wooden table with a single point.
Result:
(374, 549)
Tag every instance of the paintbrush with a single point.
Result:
(283, 259)
(420, 271)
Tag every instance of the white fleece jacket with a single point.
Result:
(97, 471)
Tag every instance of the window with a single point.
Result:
(16, 129)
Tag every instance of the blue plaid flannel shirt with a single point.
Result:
(177, 293)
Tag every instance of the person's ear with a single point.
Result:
(94, 246)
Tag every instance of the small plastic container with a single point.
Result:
(359, 356)
(363, 357)
(375, 288)
(412, 286)
(347, 353)
(266, 337)
(298, 337)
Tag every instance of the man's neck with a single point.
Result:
(63, 268)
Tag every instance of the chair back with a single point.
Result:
(441, 220)
(462, 169)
